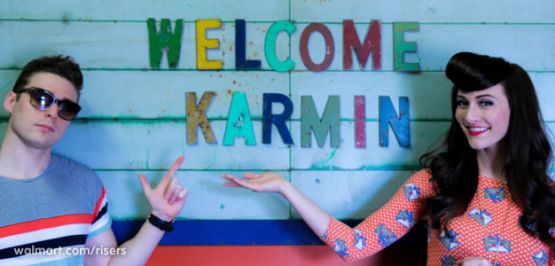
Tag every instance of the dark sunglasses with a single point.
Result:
(43, 99)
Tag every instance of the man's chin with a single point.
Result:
(41, 144)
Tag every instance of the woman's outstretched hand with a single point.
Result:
(266, 182)
(314, 216)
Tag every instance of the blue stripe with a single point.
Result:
(256, 232)
(229, 232)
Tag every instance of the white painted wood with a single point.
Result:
(138, 113)
(373, 157)
(207, 199)
(129, 145)
(125, 45)
(496, 11)
(140, 10)
(349, 195)
(124, 94)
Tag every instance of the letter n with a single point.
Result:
(399, 123)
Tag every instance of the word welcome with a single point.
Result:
(239, 121)
(167, 40)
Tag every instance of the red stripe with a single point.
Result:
(262, 255)
(45, 223)
(98, 204)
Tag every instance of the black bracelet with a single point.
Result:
(160, 224)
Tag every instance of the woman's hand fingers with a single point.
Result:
(266, 182)
(251, 175)
(236, 182)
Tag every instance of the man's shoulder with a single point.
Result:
(63, 162)
(74, 170)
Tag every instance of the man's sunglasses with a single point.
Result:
(43, 99)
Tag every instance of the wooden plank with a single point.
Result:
(343, 194)
(162, 94)
(131, 145)
(208, 198)
(347, 194)
(121, 45)
(545, 93)
(347, 85)
(497, 11)
(125, 45)
(154, 144)
(109, 94)
(373, 157)
(124, 94)
(521, 44)
(424, 136)
(140, 10)
(436, 43)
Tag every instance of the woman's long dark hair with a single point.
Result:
(528, 155)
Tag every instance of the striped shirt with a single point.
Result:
(47, 219)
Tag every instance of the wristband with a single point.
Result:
(160, 224)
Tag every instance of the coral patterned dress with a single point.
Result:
(488, 229)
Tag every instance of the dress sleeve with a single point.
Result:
(551, 259)
(101, 218)
(384, 226)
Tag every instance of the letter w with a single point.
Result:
(164, 40)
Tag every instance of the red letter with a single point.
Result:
(330, 47)
(360, 122)
(372, 42)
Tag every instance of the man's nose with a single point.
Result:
(52, 111)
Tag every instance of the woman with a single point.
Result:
(485, 191)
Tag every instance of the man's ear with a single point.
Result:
(9, 101)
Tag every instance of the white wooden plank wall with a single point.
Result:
(136, 115)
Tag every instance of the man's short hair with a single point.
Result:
(63, 66)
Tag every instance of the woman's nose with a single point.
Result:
(472, 113)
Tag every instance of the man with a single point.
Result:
(56, 206)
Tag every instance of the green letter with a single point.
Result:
(164, 40)
(311, 122)
(239, 122)
(400, 47)
(270, 46)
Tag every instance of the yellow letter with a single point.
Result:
(203, 44)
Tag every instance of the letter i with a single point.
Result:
(360, 121)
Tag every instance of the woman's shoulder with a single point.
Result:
(419, 184)
(421, 178)
(423, 174)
